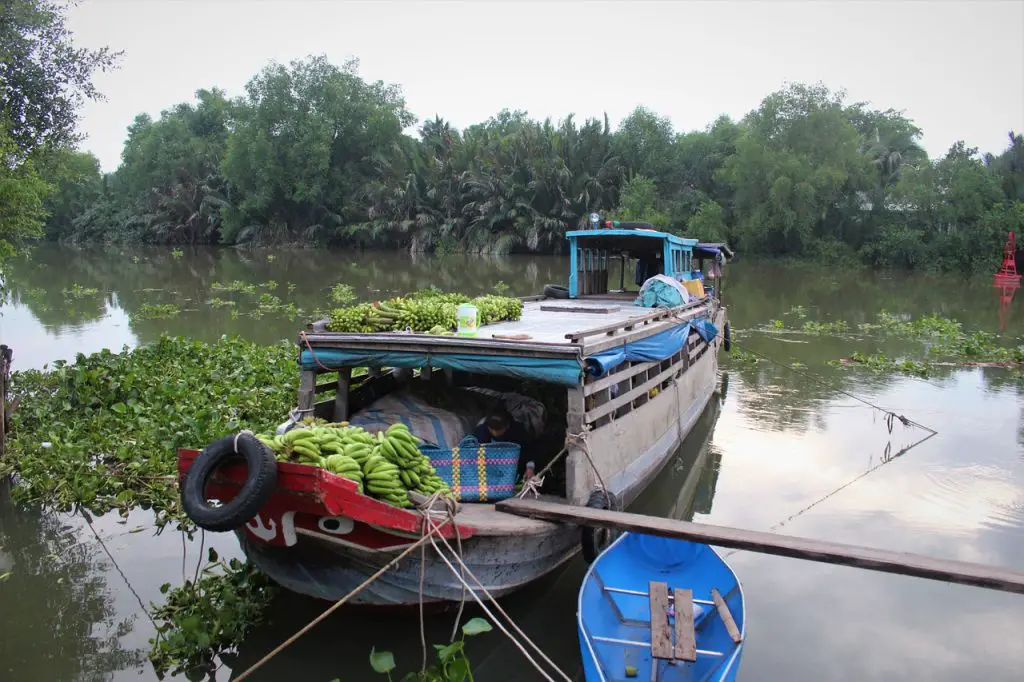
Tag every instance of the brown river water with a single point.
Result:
(782, 449)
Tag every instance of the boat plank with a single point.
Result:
(726, 616)
(646, 317)
(597, 309)
(686, 637)
(661, 636)
(872, 559)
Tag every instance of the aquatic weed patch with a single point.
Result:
(946, 344)
(102, 432)
(156, 311)
(208, 617)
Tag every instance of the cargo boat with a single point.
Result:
(633, 379)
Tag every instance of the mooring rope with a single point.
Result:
(467, 571)
(578, 440)
(334, 607)
(889, 414)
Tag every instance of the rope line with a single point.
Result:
(334, 607)
(890, 415)
(886, 459)
(497, 606)
(110, 556)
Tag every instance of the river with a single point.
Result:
(787, 449)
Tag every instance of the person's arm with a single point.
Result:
(481, 433)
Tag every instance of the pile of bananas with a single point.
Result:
(429, 311)
(497, 308)
(386, 465)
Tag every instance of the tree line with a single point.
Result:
(314, 154)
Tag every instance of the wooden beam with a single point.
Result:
(341, 396)
(885, 561)
(661, 636)
(307, 391)
(686, 638)
(726, 615)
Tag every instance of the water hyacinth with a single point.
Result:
(113, 421)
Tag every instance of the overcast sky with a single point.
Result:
(956, 68)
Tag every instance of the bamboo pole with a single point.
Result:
(885, 561)
(5, 370)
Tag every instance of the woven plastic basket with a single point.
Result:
(475, 471)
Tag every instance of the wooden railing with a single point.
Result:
(636, 381)
(690, 310)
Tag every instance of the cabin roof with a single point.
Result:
(713, 248)
(619, 239)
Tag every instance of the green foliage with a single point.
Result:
(155, 311)
(209, 617)
(45, 77)
(102, 432)
(452, 664)
(637, 202)
(314, 154)
(22, 195)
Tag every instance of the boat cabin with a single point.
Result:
(636, 247)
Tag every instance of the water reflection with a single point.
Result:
(59, 617)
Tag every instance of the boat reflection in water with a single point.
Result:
(545, 609)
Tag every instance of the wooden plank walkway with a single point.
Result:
(885, 561)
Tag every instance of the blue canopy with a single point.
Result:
(566, 372)
(656, 347)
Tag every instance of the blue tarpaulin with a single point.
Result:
(657, 347)
(706, 328)
(566, 372)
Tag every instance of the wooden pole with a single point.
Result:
(885, 561)
(5, 369)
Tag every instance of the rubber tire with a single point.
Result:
(727, 338)
(555, 291)
(246, 504)
(595, 540)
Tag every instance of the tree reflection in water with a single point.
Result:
(59, 621)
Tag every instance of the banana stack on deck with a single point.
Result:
(386, 466)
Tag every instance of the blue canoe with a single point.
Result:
(640, 574)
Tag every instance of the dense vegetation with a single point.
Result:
(44, 79)
(313, 154)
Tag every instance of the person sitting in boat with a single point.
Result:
(499, 426)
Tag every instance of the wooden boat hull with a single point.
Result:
(319, 537)
(501, 563)
(614, 610)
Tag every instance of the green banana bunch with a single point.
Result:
(386, 465)
(423, 311)
(400, 447)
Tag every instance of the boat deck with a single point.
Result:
(487, 520)
(551, 326)
(550, 320)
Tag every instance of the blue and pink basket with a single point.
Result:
(475, 471)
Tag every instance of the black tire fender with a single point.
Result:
(595, 540)
(556, 291)
(727, 338)
(258, 487)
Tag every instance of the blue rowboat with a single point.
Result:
(654, 608)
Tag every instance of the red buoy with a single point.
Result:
(1008, 271)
